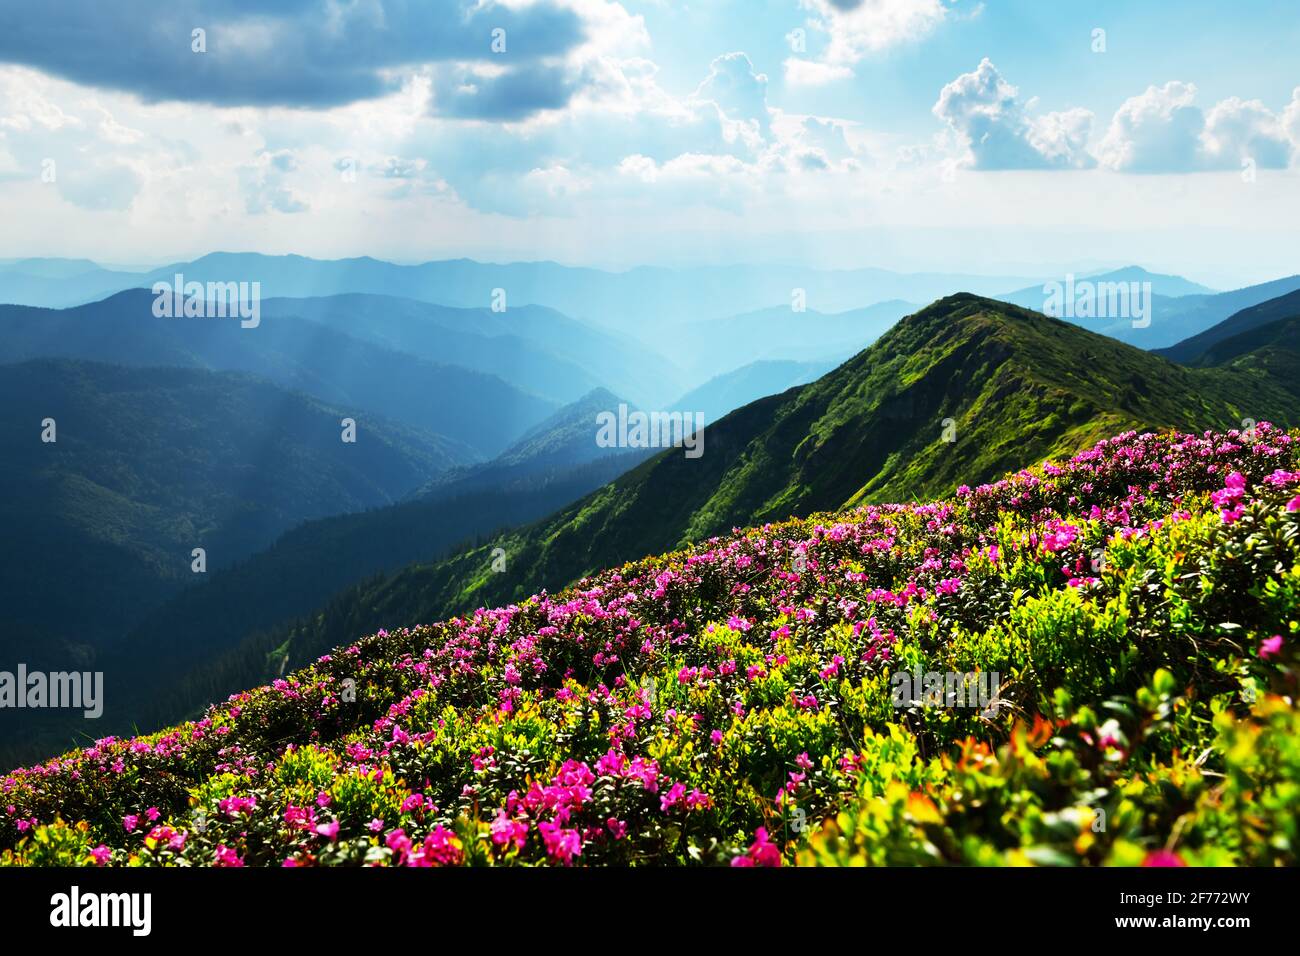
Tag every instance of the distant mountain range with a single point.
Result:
(534, 348)
(648, 333)
(719, 346)
(1197, 347)
(622, 300)
(1179, 310)
(1163, 285)
(476, 409)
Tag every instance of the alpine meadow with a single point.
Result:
(631, 437)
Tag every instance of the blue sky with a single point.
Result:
(1002, 136)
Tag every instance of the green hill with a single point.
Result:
(1018, 387)
(1091, 662)
(232, 620)
(1272, 349)
(149, 464)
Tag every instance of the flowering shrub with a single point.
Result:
(730, 703)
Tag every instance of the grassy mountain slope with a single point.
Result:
(1107, 639)
(233, 623)
(154, 678)
(1018, 386)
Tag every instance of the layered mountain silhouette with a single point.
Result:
(641, 301)
(1200, 348)
(534, 347)
(958, 392)
(1178, 312)
(477, 409)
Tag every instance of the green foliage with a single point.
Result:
(734, 702)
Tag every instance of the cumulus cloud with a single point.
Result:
(1156, 131)
(737, 90)
(827, 136)
(1162, 130)
(692, 179)
(79, 150)
(395, 167)
(1291, 117)
(1237, 130)
(985, 113)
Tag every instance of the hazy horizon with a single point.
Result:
(909, 135)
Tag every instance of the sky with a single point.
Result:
(1003, 136)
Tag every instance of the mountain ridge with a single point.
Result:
(870, 430)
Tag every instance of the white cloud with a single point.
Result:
(1062, 138)
(631, 154)
(99, 184)
(9, 165)
(985, 113)
(1237, 130)
(737, 90)
(1162, 130)
(1291, 117)
(1156, 131)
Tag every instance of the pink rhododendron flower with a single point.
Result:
(762, 852)
(507, 830)
(562, 846)
(225, 856)
(329, 830)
